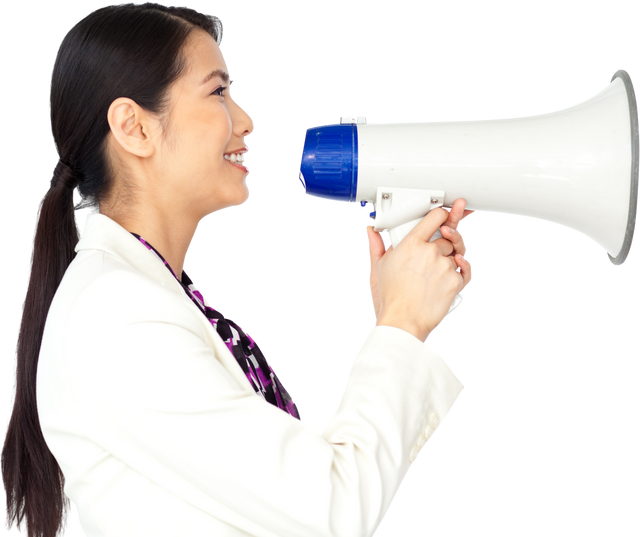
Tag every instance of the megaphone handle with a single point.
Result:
(400, 232)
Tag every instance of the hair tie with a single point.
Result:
(65, 176)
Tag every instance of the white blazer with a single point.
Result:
(159, 433)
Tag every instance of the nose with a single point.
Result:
(242, 123)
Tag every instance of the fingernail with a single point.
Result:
(462, 258)
(450, 230)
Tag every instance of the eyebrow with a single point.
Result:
(216, 72)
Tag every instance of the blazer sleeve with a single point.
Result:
(152, 393)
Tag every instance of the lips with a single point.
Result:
(246, 150)
(239, 166)
(236, 158)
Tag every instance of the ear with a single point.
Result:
(131, 126)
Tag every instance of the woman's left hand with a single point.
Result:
(377, 247)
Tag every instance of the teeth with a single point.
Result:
(235, 157)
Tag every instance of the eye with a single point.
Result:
(219, 91)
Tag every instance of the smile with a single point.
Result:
(234, 157)
(240, 165)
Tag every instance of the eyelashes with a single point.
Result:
(219, 91)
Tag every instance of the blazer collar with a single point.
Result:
(104, 234)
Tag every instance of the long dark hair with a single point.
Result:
(129, 50)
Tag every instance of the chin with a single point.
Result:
(245, 201)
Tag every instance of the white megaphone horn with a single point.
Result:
(577, 167)
(527, 165)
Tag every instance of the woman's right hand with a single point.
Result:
(413, 285)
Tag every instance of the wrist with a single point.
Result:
(402, 324)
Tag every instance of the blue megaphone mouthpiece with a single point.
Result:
(329, 167)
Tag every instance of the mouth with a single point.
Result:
(236, 158)
(244, 166)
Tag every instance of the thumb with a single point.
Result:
(376, 245)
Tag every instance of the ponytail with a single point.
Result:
(39, 498)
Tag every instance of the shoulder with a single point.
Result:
(110, 294)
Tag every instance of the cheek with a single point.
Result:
(214, 128)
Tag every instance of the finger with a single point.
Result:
(429, 224)
(465, 270)
(456, 213)
(457, 238)
(450, 242)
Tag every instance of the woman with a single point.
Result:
(156, 414)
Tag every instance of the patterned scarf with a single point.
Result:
(250, 355)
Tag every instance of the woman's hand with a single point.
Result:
(377, 247)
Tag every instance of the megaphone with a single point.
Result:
(577, 167)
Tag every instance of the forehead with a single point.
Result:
(203, 56)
